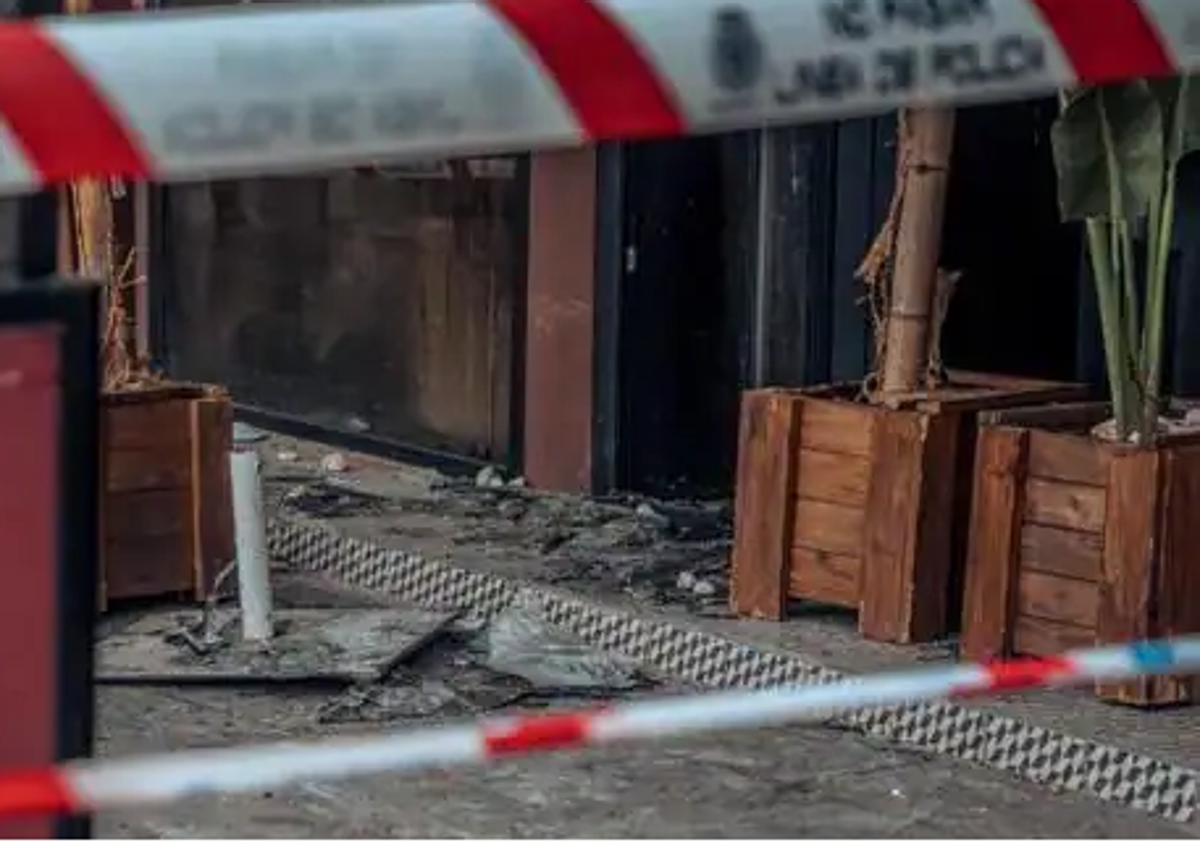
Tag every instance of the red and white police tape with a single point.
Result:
(84, 787)
(221, 93)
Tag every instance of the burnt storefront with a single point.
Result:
(381, 301)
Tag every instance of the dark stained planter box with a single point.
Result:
(166, 508)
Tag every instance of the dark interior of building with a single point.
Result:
(686, 307)
(1015, 307)
(412, 362)
(684, 321)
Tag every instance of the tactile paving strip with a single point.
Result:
(1047, 757)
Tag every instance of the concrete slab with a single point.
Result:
(341, 645)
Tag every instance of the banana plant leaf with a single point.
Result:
(1109, 151)
(1179, 100)
(1113, 145)
(1116, 151)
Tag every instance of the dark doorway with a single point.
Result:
(1016, 305)
(684, 313)
(1181, 373)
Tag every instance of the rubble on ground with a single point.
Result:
(655, 550)
(665, 551)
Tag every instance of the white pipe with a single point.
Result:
(253, 567)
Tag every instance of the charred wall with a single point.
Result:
(375, 301)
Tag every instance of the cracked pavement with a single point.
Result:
(772, 783)
(810, 782)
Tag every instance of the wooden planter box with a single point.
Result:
(1076, 542)
(862, 506)
(166, 511)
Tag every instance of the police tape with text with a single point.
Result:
(196, 95)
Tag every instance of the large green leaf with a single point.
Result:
(1179, 104)
(1109, 151)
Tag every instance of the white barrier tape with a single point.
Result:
(89, 786)
(196, 95)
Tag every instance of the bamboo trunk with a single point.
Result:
(918, 246)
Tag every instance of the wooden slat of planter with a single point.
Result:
(1179, 579)
(147, 425)
(1066, 417)
(1040, 637)
(1131, 553)
(830, 528)
(934, 548)
(1067, 457)
(842, 428)
(984, 398)
(886, 583)
(838, 479)
(767, 437)
(166, 512)
(1057, 551)
(212, 498)
(993, 552)
(1062, 505)
(145, 567)
(129, 470)
(152, 513)
(1020, 385)
(1058, 599)
(824, 577)
(160, 395)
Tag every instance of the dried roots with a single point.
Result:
(95, 256)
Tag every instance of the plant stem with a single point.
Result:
(1108, 296)
(1159, 258)
(1128, 271)
(1111, 261)
(1130, 320)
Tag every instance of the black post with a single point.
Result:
(49, 507)
(37, 236)
(37, 218)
